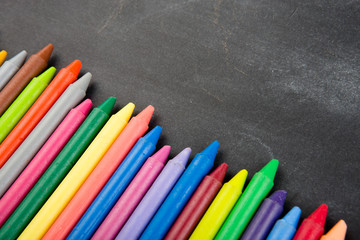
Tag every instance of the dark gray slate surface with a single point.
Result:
(268, 79)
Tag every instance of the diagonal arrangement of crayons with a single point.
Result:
(70, 173)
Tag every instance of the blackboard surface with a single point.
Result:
(267, 79)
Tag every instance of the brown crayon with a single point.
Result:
(35, 65)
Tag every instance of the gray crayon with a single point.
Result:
(73, 94)
(10, 67)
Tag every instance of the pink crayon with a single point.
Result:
(127, 203)
(42, 160)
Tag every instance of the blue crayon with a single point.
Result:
(285, 228)
(116, 185)
(181, 193)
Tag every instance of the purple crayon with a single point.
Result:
(153, 199)
(269, 211)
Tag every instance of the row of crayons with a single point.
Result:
(71, 173)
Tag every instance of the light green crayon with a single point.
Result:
(24, 101)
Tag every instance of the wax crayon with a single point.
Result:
(313, 226)
(197, 205)
(338, 232)
(62, 80)
(66, 221)
(220, 208)
(269, 211)
(154, 197)
(116, 185)
(285, 228)
(181, 193)
(32, 68)
(239, 217)
(10, 67)
(78, 174)
(56, 171)
(43, 159)
(27, 150)
(3, 54)
(24, 101)
(132, 195)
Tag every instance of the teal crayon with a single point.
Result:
(181, 193)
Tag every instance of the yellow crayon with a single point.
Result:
(3, 54)
(78, 174)
(220, 208)
(338, 232)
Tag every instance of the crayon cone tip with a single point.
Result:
(154, 134)
(279, 197)
(162, 154)
(85, 106)
(220, 172)
(126, 112)
(239, 179)
(183, 156)
(211, 150)
(146, 114)
(74, 67)
(293, 216)
(270, 169)
(319, 215)
(19, 58)
(108, 105)
(45, 53)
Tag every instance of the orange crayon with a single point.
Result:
(63, 79)
(338, 232)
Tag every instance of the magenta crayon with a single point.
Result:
(154, 197)
(264, 219)
(43, 159)
(132, 195)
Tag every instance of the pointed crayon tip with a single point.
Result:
(220, 172)
(107, 105)
(183, 157)
(47, 75)
(146, 114)
(83, 82)
(211, 150)
(239, 179)
(279, 197)
(45, 53)
(162, 154)
(270, 169)
(74, 67)
(19, 58)
(3, 55)
(84, 107)
(336, 232)
(319, 215)
(154, 134)
(293, 216)
(126, 112)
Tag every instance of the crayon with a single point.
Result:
(181, 193)
(62, 80)
(154, 197)
(56, 171)
(32, 68)
(10, 67)
(78, 174)
(24, 101)
(116, 185)
(28, 149)
(3, 54)
(66, 221)
(285, 228)
(197, 205)
(43, 159)
(132, 195)
(338, 232)
(239, 217)
(220, 208)
(269, 211)
(312, 228)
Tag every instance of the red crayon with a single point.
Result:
(197, 205)
(312, 228)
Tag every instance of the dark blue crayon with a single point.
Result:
(116, 185)
(285, 228)
(264, 219)
(181, 193)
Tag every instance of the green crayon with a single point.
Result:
(62, 164)
(245, 208)
(24, 101)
